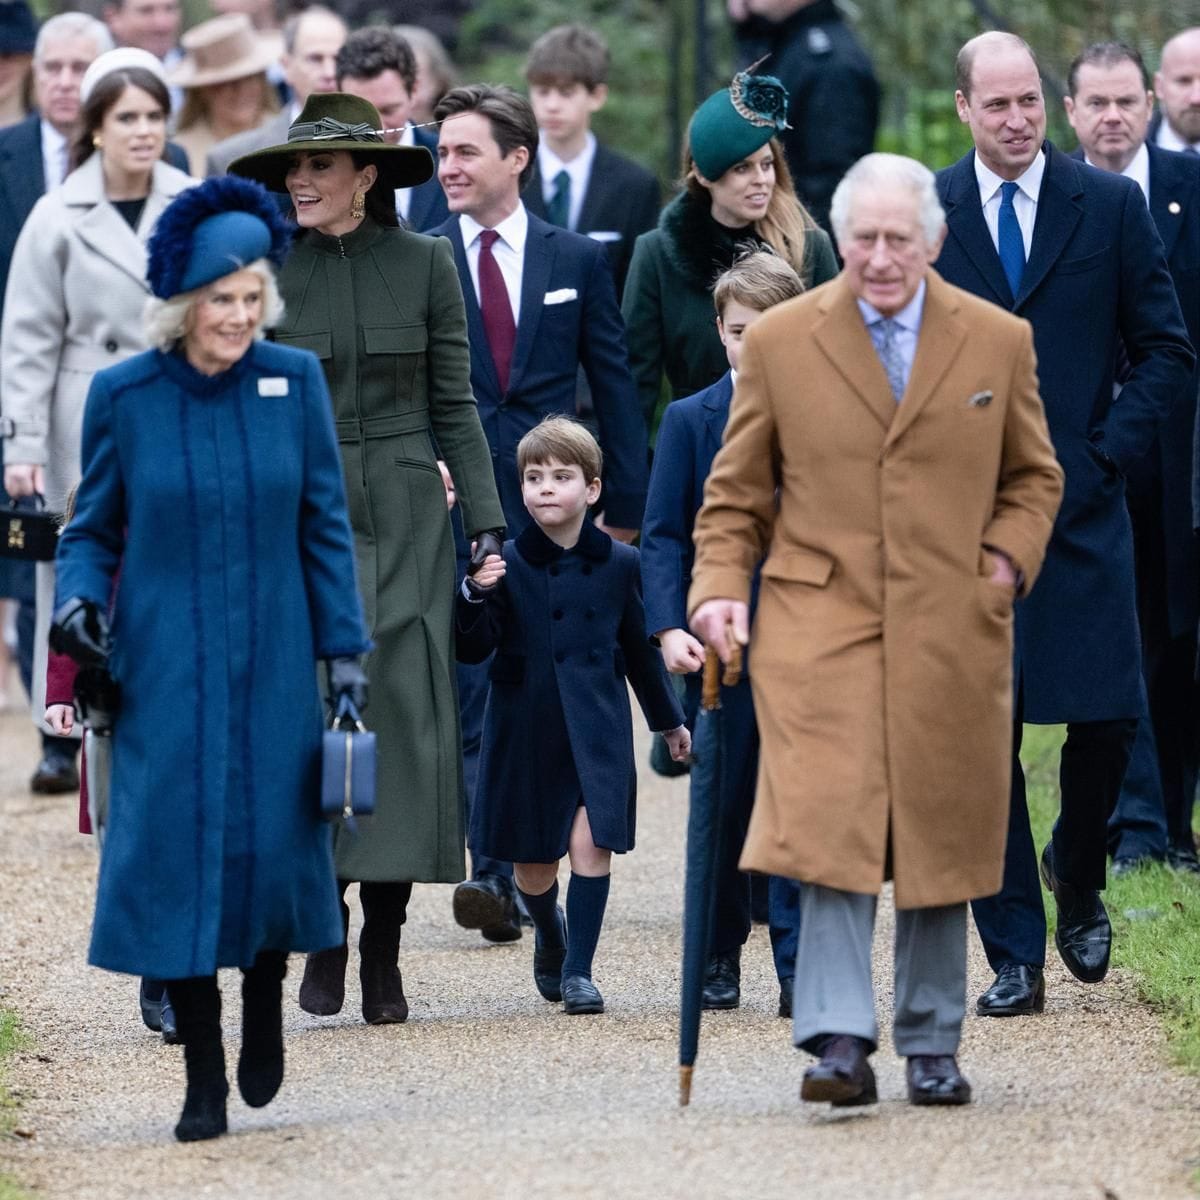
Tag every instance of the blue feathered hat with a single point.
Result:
(212, 230)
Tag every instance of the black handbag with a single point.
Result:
(28, 533)
(347, 766)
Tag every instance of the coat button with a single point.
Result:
(558, 614)
(560, 656)
(111, 345)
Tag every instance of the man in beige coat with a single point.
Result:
(887, 456)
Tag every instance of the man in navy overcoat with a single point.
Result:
(1075, 252)
(540, 304)
(1109, 106)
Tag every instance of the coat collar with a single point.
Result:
(1173, 193)
(695, 245)
(539, 551)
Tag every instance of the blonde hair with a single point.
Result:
(164, 322)
(785, 225)
(759, 280)
(564, 440)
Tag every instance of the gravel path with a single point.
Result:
(490, 1090)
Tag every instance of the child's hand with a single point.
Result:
(679, 742)
(60, 718)
(490, 573)
(681, 652)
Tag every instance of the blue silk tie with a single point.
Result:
(1011, 243)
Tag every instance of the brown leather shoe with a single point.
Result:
(936, 1079)
(843, 1077)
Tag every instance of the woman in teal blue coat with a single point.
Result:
(211, 476)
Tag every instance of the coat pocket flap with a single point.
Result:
(507, 668)
(799, 566)
(396, 339)
(320, 344)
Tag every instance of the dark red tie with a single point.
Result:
(498, 321)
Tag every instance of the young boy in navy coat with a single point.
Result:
(688, 441)
(562, 609)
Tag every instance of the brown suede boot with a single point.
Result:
(385, 907)
(323, 988)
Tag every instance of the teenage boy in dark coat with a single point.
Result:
(562, 610)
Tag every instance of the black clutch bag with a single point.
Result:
(28, 533)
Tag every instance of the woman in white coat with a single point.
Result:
(76, 290)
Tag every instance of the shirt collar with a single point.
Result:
(1168, 139)
(1138, 169)
(549, 164)
(513, 230)
(908, 318)
(409, 136)
(1030, 182)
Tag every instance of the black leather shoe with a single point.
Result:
(580, 995)
(1183, 858)
(548, 961)
(787, 989)
(150, 1001)
(723, 981)
(1084, 934)
(170, 1031)
(843, 1077)
(936, 1079)
(1127, 864)
(55, 775)
(487, 904)
(1019, 989)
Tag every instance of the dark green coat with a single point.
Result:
(670, 323)
(383, 310)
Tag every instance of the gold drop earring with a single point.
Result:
(97, 142)
(358, 207)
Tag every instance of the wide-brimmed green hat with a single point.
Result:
(337, 121)
(736, 121)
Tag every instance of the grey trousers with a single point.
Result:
(834, 994)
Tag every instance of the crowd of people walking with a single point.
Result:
(375, 413)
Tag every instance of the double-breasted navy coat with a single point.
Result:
(237, 573)
(568, 629)
(1096, 277)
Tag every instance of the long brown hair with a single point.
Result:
(103, 99)
(786, 223)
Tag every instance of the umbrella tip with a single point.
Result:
(685, 1086)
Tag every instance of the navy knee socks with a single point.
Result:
(587, 898)
(543, 910)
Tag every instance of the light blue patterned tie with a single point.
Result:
(1010, 242)
(890, 356)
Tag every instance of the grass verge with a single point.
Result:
(11, 1040)
(1155, 912)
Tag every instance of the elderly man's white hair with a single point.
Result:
(889, 172)
(71, 25)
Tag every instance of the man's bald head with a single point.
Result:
(1177, 84)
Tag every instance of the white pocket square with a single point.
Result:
(979, 400)
(561, 296)
(605, 235)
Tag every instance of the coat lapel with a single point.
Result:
(1059, 211)
(964, 216)
(22, 176)
(476, 335)
(594, 197)
(941, 339)
(1172, 201)
(98, 223)
(844, 340)
(539, 260)
(716, 413)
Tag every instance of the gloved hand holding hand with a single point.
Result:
(347, 678)
(486, 543)
(79, 629)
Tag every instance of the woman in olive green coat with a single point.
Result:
(382, 309)
(738, 195)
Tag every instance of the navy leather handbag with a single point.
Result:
(347, 766)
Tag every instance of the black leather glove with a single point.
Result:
(488, 541)
(97, 699)
(348, 679)
(79, 629)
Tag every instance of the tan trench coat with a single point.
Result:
(881, 653)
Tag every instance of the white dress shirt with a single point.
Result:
(908, 327)
(579, 169)
(1025, 202)
(404, 195)
(1168, 139)
(508, 251)
(54, 155)
(1138, 169)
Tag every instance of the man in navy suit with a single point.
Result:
(1075, 252)
(380, 67)
(1109, 104)
(540, 304)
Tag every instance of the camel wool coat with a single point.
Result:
(882, 650)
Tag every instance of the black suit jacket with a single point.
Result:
(621, 202)
(1096, 276)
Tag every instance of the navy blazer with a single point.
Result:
(1161, 483)
(427, 206)
(1096, 276)
(568, 629)
(621, 203)
(553, 341)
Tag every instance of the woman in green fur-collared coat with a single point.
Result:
(382, 309)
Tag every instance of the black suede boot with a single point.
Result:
(385, 907)
(260, 1064)
(198, 1016)
(323, 988)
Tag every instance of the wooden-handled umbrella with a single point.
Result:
(706, 825)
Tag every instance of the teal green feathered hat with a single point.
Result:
(736, 121)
